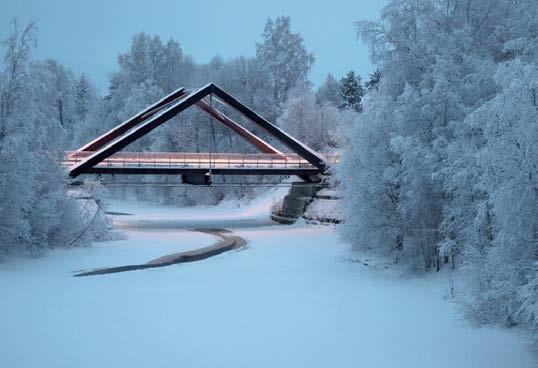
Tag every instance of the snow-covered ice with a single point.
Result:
(288, 300)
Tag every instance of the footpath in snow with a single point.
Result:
(290, 299)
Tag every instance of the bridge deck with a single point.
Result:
(168, 163)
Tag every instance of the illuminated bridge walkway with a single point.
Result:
(169, 163)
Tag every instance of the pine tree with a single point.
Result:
(351, 92)
(373, 83)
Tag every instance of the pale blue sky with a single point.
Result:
(87, 35)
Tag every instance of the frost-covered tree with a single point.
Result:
(36, 211)
(504, 230)
(18, 47)
(53, 92)
(84, 96)
(284, 57)
(300, 117)
(351, 91)
(314, 124)
(150, 58)
(440, 167)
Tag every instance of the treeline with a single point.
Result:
(440, 168)
(36, 123)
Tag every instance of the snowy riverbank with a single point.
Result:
(289, 300)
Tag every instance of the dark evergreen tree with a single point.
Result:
(373, 83)
(351, 92)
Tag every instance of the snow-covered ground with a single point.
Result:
(289, 300)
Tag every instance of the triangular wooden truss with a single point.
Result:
(157, 114)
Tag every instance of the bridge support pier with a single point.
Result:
(295, 202)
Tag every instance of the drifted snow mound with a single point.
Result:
(328, 193)
(326, 208)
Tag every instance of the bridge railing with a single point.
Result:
(195, 160)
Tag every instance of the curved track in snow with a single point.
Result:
(228, 241)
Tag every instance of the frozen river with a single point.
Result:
(292, 298)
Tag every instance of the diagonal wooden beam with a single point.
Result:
(132, 121)
(295, 145)
(251, 138)
(139, 130)
(244, 133)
